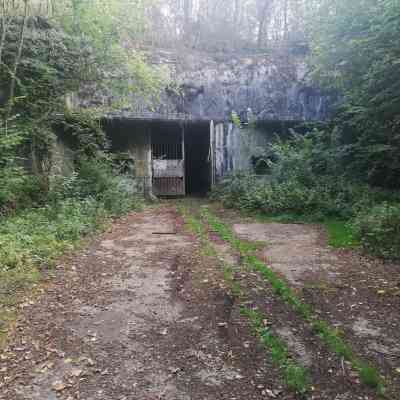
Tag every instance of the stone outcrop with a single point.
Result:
(268, 87)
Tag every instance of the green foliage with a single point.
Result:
(306, 182)
(83, 133)
(95, 179)
(48, 68)
(19, 189)
(355, 51)
(325, 197)
(111, 29)
(36, 236)
(340, 234)
(84, 46)
(378, 230)
(236, 119)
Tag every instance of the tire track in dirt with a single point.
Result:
(350, 291)
(134, 316)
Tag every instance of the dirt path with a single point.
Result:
(359, 296)
(135, 316)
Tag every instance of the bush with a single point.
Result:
(326, 197)
(378, 230)
(95, 179)
(76, 206)
(18, 189)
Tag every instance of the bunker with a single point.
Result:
(176, 156)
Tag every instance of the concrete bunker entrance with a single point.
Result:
(172, 156)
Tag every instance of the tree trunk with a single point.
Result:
(285, 20)
(5, 20)
(235, 27)
(17, 60)
(262, 17)
(187, 12)
(236, 14)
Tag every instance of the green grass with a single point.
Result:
(229, 277)
(339, 231)
(340, 234)
(295, 375)
(329, 335)
(33, 239)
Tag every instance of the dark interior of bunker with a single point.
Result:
(180, 153)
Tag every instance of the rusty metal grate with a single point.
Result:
(169, 186)
(167, 151)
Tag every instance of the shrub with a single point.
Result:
(18, 189)
(378, 230)
(95, 179)
(326, 197)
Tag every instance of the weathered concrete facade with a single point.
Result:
(206, 91)
(209, 151)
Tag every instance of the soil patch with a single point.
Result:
(359, 295)
(136, 315)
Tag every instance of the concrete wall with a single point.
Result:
(62, 159)
(136, 141)
(235, 146)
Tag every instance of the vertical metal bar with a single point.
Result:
(183, 160)
(212, 153)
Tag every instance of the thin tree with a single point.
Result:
(5, 22)
(17, 59)
(263, 8)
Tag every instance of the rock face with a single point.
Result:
(268, 87)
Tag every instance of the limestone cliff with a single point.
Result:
(269, 87)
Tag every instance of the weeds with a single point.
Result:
(32, 239)
(330, 336)
(340, 234)
(295, 375)
(229, 277)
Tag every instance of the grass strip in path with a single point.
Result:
(369, 375)
(295, 375)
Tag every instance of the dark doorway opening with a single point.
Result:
(168, 163)
(197, 158)
(180, 153)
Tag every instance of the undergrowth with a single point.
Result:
(32, 239)
(330, 336)
(340, 234)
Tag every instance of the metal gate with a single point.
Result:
(168, 161)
